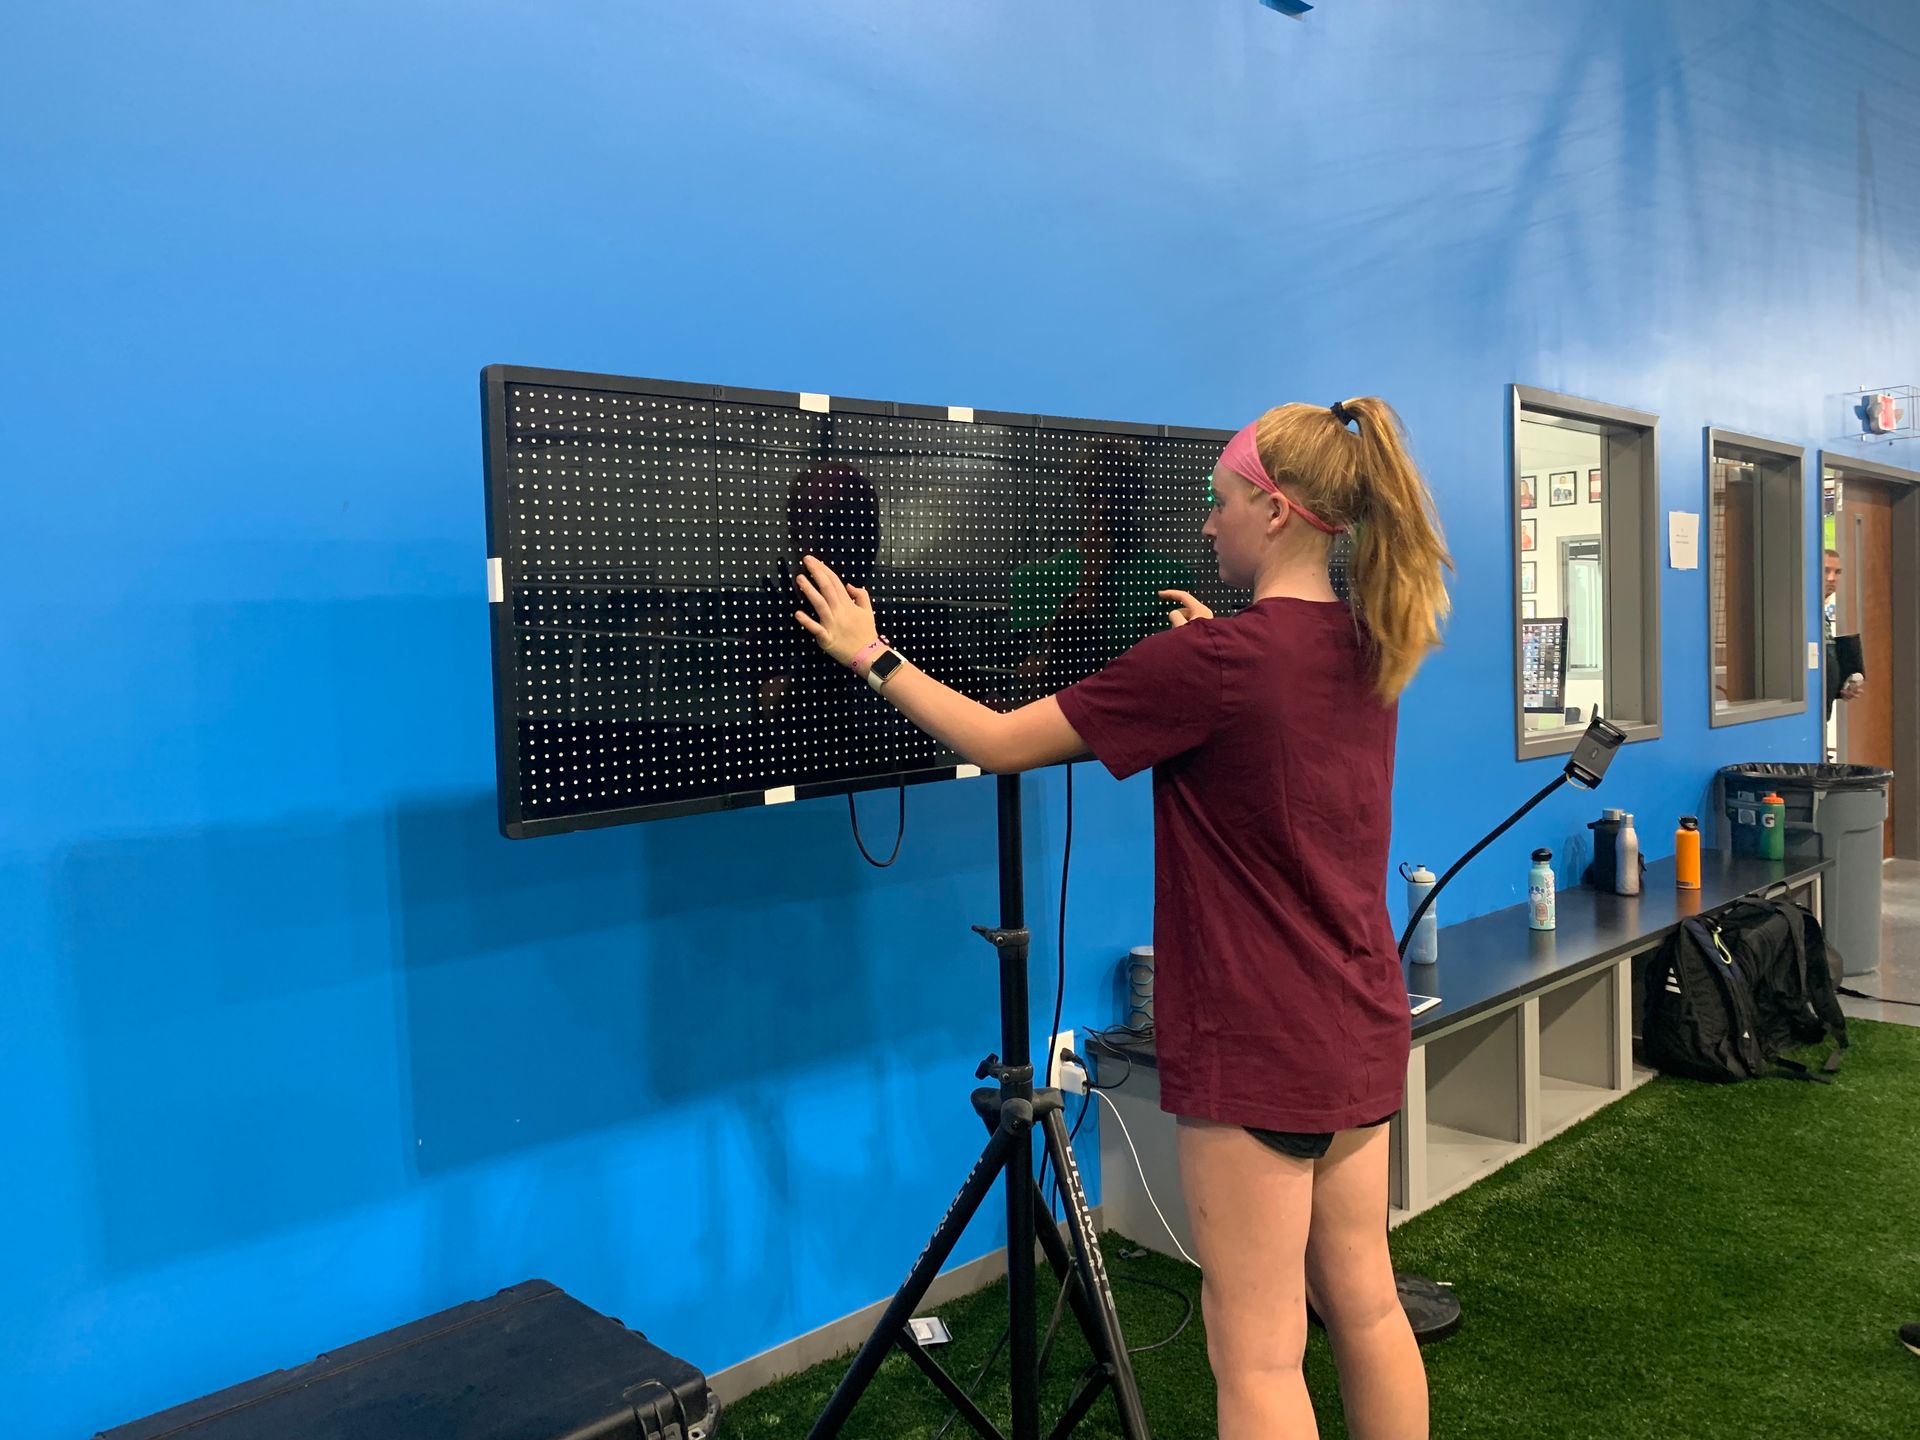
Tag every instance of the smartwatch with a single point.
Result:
(883, 667)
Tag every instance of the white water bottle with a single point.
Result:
(1626, 858)
(1540, 897)
(1424, 947)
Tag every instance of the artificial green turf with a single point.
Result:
(1695, 1262)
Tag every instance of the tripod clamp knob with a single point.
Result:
(1004, 940)
(991, 1069)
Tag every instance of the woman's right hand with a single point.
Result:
(1190, 608)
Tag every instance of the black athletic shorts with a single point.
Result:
(1304, 1145)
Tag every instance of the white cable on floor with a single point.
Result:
(1114, 1110)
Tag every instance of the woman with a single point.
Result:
(1281, 1017)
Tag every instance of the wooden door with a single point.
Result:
(1865, 533)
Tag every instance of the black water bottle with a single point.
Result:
(1606, 846)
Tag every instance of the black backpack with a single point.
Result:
(1726, 993)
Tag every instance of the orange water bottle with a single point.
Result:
(1686, 853)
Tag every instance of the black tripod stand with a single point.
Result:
(1010, 1113)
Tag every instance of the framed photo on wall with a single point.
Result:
(1529, 492)
(1529, 536)
(1526, 577)
(1527, 609)
(1593, 486)
(1561, 487)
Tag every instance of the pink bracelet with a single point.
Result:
(880, 644)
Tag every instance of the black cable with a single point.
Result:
(985, 1366)
(1877, 999)
(1046, 1071)
(898, 840)
(1058, 1192)
(1125, 1075)
(1186, 1316)
(1115, 1048)
(1053, 1324)
(1053, 1329)
(1086, 1102)
(1060, 980)
(1040, 1366)
(1132, 1032)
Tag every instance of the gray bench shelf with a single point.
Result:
(1534, 1032)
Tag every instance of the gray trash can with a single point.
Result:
(1837, 811)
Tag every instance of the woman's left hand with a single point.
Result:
(845, 625)
(1189, 609)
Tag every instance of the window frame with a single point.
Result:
(1630, 570)
(1783, 599)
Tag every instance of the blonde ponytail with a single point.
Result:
(1367, 482)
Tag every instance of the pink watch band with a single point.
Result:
(878, 645)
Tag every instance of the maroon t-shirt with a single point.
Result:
(1279, 1000)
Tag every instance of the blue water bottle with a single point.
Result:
(1424, 947)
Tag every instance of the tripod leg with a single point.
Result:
(1023, 1338)
(1060, 1259)
(1076, 1410)
(1062, 1262)
(949, 1387)
(1104, 1333)
(1009, 1135)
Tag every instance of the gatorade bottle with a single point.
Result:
(1773, 827)
(1686, 854)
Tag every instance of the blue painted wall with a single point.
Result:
(293, 1047)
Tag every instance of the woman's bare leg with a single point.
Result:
(1383, 1383)
(1250, 1207)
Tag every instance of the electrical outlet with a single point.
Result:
(1064, 1075)
(1051, 1076)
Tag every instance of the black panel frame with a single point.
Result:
(494, 383)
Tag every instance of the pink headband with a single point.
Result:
(1242, 457)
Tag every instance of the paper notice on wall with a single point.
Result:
(1683, 540)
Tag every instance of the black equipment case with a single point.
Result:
(531, 1363)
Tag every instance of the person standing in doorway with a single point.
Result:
(1840, 686)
